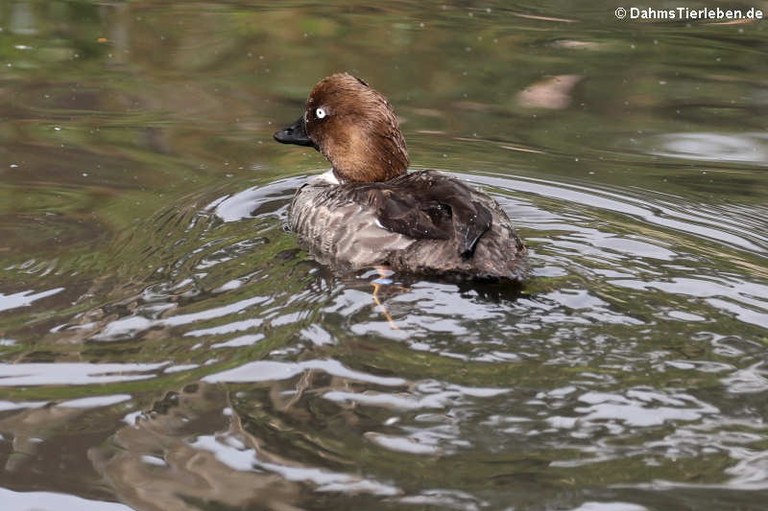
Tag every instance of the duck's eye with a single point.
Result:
(320, 113)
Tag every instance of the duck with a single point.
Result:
(368, 211)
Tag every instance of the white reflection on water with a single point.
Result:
(750, 380)
(664, 215)
(49, 501)
(328, 481)
(237, 342)
(746, 300)
(21, 405)
(424, 395)
(130, 326)
(642, 407)
(72, 373)
(444, 499)
(741, 441)
(24, 298)
(95, 401)
(610, 506)
(275, 371)
(733, 147)
(244, 204)
(420, 445)
(231, 452)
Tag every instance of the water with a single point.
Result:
(165, 343)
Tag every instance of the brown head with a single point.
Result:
(354, 127)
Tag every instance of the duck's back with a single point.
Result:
(423, 222)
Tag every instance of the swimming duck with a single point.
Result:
(369, 211)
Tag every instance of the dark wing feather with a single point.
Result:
(428, 205)
(403, 212)
(472, 221)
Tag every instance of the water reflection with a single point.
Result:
(62, 373)
(719, 147)
(49, 501)
(24, 298)
(155, 463)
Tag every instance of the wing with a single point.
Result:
(404, 212)
(428, 205)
